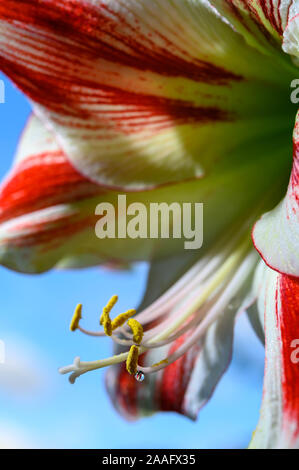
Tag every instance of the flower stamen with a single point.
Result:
(105, 319)
(74, 325)
(122, 318)
(132, 360)
(137, 330)
(206, 292)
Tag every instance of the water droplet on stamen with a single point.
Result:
(139, 376)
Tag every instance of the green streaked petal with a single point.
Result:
(261, 22)
(291, 34)
(47, 208)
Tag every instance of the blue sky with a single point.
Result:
(39, 408)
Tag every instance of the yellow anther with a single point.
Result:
(137, 330)
(76, 318)
(111, 303)
(108, 308)
(132, 360)
(108, 327)
(122, 318)
(165, 361)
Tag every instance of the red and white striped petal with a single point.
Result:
(140, 93)
(41, 176)
(163, 391)
(261, 22)
(47, 212)
(276, 234)
(182, 387)
(45, 206)
(278, 301)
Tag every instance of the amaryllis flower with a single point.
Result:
(165, 101)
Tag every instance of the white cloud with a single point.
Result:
(22, 373)
(13, 437)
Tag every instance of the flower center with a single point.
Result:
(189, 306)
